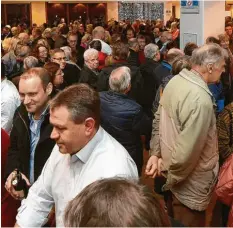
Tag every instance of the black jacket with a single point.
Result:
(136, 80)
(71, 74)
(133, 58)
(125, 120)
(19, 151)
(150, 85)
(89, 77)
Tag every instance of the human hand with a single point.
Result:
(10, 188)
(152, 166)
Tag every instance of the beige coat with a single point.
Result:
(184, 135)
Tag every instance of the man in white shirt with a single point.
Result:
(99, 34)
(84, 153)
(10, 100)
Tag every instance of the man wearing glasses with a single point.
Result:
(71, 72)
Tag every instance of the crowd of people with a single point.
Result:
(80, 103)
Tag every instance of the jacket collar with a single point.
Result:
(196, 79)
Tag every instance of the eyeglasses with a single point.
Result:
(60, 59)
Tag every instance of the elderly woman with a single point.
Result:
(41, 52)
(56, 74)
(89, 73)
(30, 62)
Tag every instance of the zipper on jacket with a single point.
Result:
(24, 124)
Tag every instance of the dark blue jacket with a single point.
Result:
(125, 120)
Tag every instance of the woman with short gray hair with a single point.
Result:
(30, 62)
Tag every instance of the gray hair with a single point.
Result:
(208, 53)
(89, 52)
(120, 79)
(67, 51)
(151, 50)
(30, 62)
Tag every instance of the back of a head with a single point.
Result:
(119, 80)
(151, 50)
(98, 32)
(52, 68)
(208, 53)
(96, 44)
(81, 101)
(189, 47)
(180, 63)
(120, 51)
(30, 62)
(115, 202)
(212, 39)
(173, 54)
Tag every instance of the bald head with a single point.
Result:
(24, 38)
(119, 80)
(15, 31)
(172, 54)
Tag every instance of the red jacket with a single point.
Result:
(9, 205)
(224, 189)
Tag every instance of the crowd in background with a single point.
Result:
(152, 95)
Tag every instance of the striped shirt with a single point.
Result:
(224, 124)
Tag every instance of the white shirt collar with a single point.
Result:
(87, 150)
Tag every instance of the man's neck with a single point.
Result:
(37, 115)
(198, 71)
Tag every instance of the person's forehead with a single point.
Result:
(59, 54)
(72, 37)
(42, 48)
(30, 84)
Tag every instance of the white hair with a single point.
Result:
(120, 79)
(67, 51)
(90, 52)
(151, 50)
(30, 62)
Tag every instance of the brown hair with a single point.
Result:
(52, 68)
(189, 47)
(81, 101)
(35, 51)
(120, 51)
(37, 72)
(115, 202)
(180, 63)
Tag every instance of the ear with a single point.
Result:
(49, 88)
(89, 126)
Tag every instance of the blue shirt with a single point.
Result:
(35, 126)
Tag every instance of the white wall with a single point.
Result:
(192, 23)
(214, 18)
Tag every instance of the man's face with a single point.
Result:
(14, 31)
(217, 71)
(142, 43)
(33, 95)
(163, 39)
(72, 41)
(24, 38)
(156, 32)
(228, 31)
(130, 34)
(69, 136)
(60, 58)
(93, 62)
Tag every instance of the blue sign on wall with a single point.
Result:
(189, 7)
